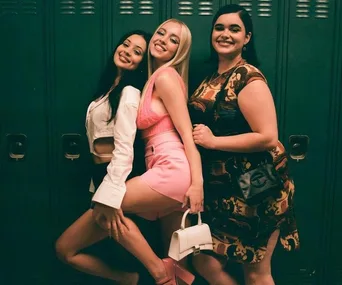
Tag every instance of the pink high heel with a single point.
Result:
(175, 271)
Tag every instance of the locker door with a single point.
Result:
(306, 102)
(198, 16)
(334, 264)
(266, 16)
(77, 52)
(24, 143)
(132, 15)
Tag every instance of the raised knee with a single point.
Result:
(62, 253)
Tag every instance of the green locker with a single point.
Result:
(51, 57)
(334, 264)
(131, 15)
(24, 141)
(306, 112)
(77, 51)
(192, 13)
(267, 17)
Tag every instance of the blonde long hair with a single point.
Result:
(181, 59)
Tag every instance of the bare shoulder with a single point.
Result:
(166, 78)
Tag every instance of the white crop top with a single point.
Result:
(123, 129)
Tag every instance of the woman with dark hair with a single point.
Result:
(111, 129)
(134, 74)
(235, 125)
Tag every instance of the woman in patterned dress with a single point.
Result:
(242, 124)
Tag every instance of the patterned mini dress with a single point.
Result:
(240, 230)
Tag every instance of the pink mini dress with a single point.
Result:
(168, 170)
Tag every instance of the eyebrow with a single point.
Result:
(232, 25)
(135, 45)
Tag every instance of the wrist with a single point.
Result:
(197, 182)
(214, 142)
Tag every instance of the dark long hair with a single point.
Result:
(249, 54)
(136, 78)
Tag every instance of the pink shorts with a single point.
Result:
(168, 170)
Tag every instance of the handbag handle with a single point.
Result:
(199, 221)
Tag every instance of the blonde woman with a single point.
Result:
(174, 175)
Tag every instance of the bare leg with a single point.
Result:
(169, 224)
(212, 270)
(140, 198)
(81, 234)
(260, 273)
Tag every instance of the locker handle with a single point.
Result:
(299, 145)
(71, 146)
(17, 146)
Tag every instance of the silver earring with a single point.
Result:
(244, 48)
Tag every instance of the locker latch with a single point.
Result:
(298, 146)
(71, 146)
(16, 146)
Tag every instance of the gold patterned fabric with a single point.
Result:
(240, 230)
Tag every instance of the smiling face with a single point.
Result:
(229, 35)
(130, 53)
(165, 42)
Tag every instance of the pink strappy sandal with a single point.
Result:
(175, 271)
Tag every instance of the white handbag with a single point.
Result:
(190, 240)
